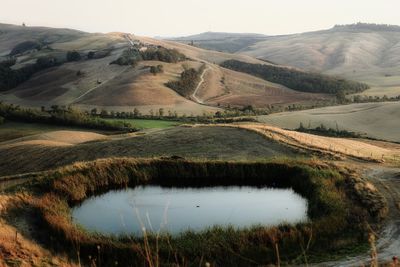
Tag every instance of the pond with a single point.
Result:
(174, 210)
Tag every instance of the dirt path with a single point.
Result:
(387, 180)
(199, 85)
(94, 88)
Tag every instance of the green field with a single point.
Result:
(148, 124)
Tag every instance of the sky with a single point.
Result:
(185, 17)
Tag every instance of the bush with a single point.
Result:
(297, 80)
(1, 120)
(73, 56)
(156, 69)
(24, 47)
(90, 55)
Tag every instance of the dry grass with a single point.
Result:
(376, 120)
(200, 142)
(366, 56)
(241, 89)
(16, 245)
(326, 145)
(55, 138)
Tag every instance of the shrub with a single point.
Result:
(73, 56)
(24, 47)
(156, 69)
(90, 55)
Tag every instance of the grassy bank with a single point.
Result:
(338, 222)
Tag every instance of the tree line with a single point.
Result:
(10, 78)
(325, 131)
(297, 80)
(61, 116)
(132, 56)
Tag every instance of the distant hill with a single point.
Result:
(62, 67)
(222, 41)
(364, 52)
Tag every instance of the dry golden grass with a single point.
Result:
(240, 89)
(376, 120)
(55, 139)
(327, 145)
(16, 244)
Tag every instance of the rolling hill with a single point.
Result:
(221, 41)
(374, 120)
(90, 81)
(364, 52)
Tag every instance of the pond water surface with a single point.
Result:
(178, 209)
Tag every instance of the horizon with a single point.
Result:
(175, 19)
(198, 33)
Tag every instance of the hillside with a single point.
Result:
(362, 52)
(64, 67)
(221, 41)
(297, 80)
(375, 120)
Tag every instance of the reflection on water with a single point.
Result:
(178, 209)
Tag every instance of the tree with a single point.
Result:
(156, 69)
(90, 55)
(104, 113)
(341, 96)
(161, 112)
(136, 113)
(73, 56)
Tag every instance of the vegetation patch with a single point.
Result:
(188, 81)
(338, 218)
(331, 132)
(132, 56)
(61, 116)
(10, 78)
(25, 46)
(298, 80)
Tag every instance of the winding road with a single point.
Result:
(199, 85)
